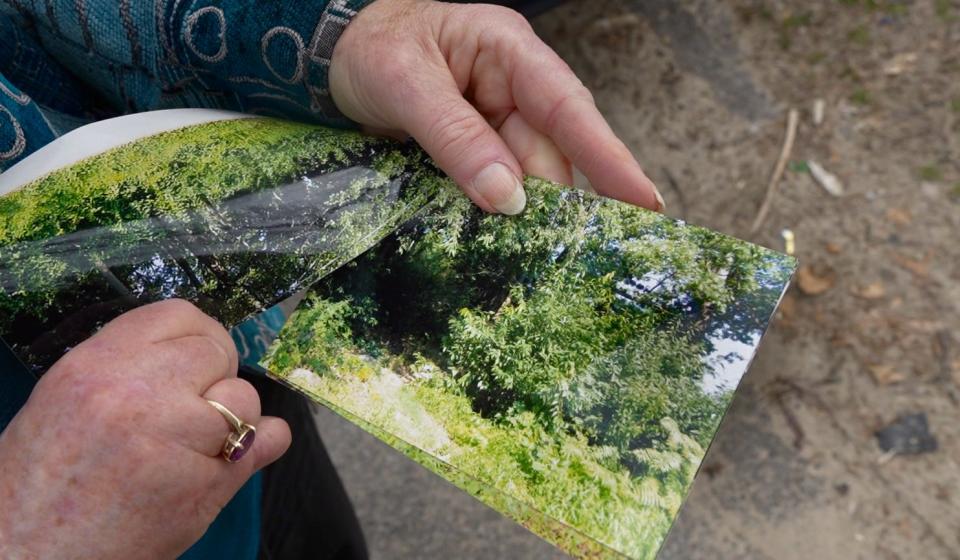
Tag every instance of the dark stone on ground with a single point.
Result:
(907, 435)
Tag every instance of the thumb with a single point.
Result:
(466, 147)
(272, 440)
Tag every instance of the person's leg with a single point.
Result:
(306, 511)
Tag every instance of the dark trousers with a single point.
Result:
(306, 512)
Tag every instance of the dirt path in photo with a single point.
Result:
(395, 405)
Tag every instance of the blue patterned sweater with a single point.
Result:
(65, 63)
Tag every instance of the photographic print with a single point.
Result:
(234, 214)
(568, 366)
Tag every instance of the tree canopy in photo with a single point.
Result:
(583, 327)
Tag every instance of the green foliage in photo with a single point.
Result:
(558, 357)
(233, 215)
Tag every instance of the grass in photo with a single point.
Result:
(568, 366)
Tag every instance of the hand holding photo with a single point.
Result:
(567, 366)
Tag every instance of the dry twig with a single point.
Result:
(793, 118)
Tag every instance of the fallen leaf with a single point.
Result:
(813, 284)
(819, 106)
(899, 216)
(920, 268)
(923, 326)
(841, 340)
(885, 375)
(834, 248)
(825, 179)
(906, 529)
(899, 63)
(820, 317)
(872, 291)
(789, 245)
(788, 306)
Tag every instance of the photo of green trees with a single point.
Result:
(568, 366)
(233, 215)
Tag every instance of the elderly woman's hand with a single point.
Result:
(117, 452)
(484, 97)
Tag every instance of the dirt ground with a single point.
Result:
(700, 91)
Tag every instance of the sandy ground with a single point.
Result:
(700, 91)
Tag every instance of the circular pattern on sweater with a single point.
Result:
(274, 46)
(19, 139)
(197, 19)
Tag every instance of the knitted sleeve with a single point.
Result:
(269, 58)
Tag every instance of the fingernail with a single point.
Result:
(661, 205)
(501, 188)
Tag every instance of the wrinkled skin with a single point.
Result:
(476, 87)
(116, 453)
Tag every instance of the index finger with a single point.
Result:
(554, 101)
(171, 320)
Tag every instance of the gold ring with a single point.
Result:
(240, 440)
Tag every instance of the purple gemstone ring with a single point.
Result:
(240, 440)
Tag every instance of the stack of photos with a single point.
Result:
(568, 366)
